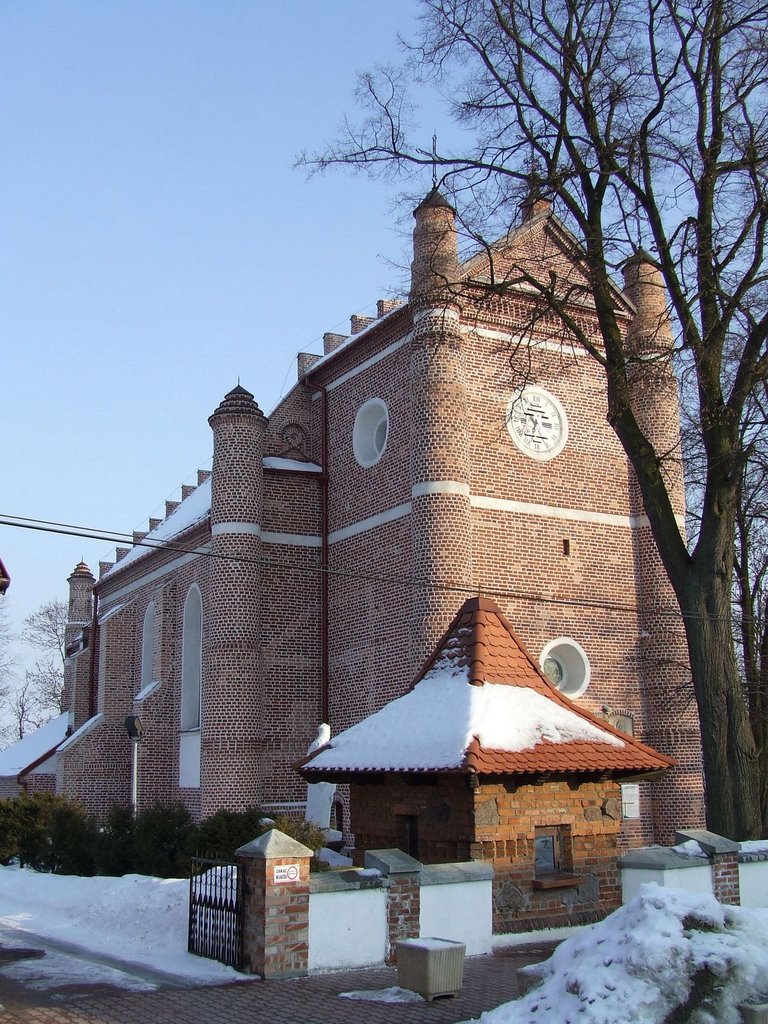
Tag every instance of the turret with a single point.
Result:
(77, 665)
(440, 490)
(435, 268)
(232, 701)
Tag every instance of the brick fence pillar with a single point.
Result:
(403, 895)
(725, 878)
(275, 871)
(724, 858)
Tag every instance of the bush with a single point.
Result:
(72, 841)
(48, 833)
(114, 845)
(9, 830)
(161, 837)
(221, 834)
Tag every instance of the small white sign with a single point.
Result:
(285, 873)
(630, 800)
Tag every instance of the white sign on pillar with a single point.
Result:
(284, 874)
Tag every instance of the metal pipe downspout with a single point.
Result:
(92, 681)
(324, 659)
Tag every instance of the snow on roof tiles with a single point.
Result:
(481, 704)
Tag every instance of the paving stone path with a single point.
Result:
(488, 981)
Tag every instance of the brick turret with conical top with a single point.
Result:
(232, 699)
(77, 665)
(669, 708)
(440, 492)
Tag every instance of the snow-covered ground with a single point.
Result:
(646, 959)
(633, 968)
(133, 919)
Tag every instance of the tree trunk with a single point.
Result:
(728, 746)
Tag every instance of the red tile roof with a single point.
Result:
(482, 645)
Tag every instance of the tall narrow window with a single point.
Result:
(191, 659)
(147, 645)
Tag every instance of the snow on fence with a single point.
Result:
(688, 866)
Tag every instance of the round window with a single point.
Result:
(369, 436)
(566, 665)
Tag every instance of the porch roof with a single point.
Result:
(482, 705)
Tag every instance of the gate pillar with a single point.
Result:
(275, 872)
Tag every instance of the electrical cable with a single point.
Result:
(119, 538)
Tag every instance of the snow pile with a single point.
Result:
(395, 994)
(502, 717)
(667, 950)
(136, 919)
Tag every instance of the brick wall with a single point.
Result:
(496, 822)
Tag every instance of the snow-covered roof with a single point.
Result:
(482, 705)
(191, 511)
(33, 748)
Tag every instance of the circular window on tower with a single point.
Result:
(369, 436)
(566, 665)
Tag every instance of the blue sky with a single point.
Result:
(157, 242)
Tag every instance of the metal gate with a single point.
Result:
(216, 911)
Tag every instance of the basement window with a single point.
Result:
(552, 859)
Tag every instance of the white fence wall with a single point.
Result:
(753, 882)
(347, 928)
(348, 913)
(457, 903)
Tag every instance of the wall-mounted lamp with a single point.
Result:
(133, 727)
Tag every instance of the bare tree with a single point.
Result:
(751, 585)
(7, 660)
(42, 691)
(646, 125)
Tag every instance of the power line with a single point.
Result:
(119, 538)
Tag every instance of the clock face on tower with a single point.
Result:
(537, 423)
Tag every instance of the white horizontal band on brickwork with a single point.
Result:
(440, 487)
(578, 515)
(523, 340)
(249, 528)
(299, 540)
(370, 523)
(366, 364)
(437, 313)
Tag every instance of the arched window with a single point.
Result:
(191, 660)
(147, 645)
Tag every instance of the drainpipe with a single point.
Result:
(324, 665)
(92, 681)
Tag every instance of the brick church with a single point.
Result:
(455, 445)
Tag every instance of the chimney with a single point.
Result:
(203, 475)
(186, 490)
(332, 341)
(306, 360)
(359, 323)
(170, 507)
(384, 306)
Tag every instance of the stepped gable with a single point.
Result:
(457, 717)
